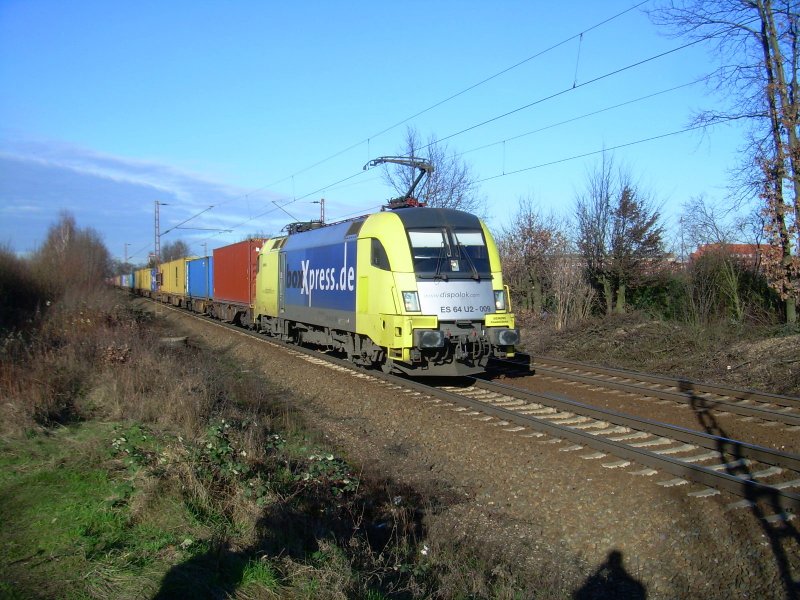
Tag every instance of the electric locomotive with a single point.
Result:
(411, 289)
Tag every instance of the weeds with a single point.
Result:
(203, 480)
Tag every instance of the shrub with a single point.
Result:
(22, 296)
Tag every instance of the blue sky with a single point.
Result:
(109, 107)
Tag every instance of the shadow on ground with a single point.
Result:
(763, 502)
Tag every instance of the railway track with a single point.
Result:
(750, 405)
(619, 440)
(708, 464)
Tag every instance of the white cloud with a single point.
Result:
(116, 195)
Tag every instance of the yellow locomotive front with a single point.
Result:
(430, 292)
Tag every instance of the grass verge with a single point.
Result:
(129, 471)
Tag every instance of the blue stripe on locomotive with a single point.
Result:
(320, 269)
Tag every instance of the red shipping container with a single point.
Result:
(235, 268)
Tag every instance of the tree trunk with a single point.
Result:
(608, 293)
(779, 113)
(786, 99)
(537, 296)
(791, 311)
(620, 308)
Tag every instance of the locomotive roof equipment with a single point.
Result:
(408, 200)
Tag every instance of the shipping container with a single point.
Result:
(142, 279)
(235, 268)
(199, 277)
(173, 281)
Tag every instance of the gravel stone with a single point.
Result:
(547, 510)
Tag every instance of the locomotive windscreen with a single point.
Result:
(449, 253)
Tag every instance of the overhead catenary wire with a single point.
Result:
(605, 149)
(562, 92)
(529, 105)
(508, 113)
(336, 185)
(578, 118)
(469, 88)
(178, 226)
(477, 125)
(461, 92)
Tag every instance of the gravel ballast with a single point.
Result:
(543, 508)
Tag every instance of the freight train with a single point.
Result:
(410, 289)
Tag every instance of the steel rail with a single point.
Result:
(681, 434)
(679, 383)
(689, 398)
(747, 488)
(684, 397)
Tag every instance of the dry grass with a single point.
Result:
(754, 357)
(217, 458)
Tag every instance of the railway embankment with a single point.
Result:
(135, 468)
(532, 501)
(765, 357)
(232, 466)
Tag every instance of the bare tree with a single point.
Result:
(71, 257)
(757, 41)
(572, 296)
(717, 272)
(594, 215)
(706, 222)
(452, 183)
(620, 236)
(541, 267)
(526, 246)
(174, 250)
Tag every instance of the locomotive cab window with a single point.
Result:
(443, 253)
(379, 257)
(472, 247)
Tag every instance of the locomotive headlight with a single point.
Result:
(500, 299)
(411, 301)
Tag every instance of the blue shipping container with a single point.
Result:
(199, 277)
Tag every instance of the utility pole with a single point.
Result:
(157, 240)
(126, 252)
